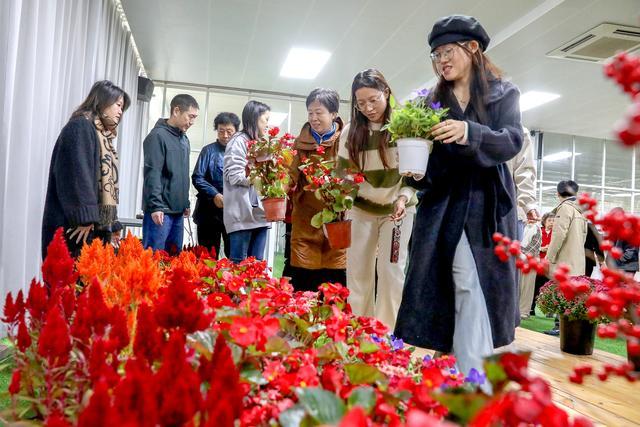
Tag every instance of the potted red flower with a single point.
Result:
(337, 194)
(577, 329)
(269, 161)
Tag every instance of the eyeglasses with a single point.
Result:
(444, 55)
(363, 105)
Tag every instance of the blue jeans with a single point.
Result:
(247, 243)
(167, 237)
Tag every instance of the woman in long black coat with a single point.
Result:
(458, 297)
(82, 193)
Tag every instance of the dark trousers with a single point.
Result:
(209, 235)
(540, 282)
(304, 279)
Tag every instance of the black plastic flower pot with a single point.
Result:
(634, 360)
(577, 336)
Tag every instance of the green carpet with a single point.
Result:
(541, 323)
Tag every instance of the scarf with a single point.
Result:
(321, 138)
(108, 193)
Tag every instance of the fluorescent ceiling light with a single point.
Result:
(276, 118)
(619, 195)
(560, 155)
(304, 63)
(533, 99)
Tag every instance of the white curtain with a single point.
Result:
(51, 53)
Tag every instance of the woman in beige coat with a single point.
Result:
(569, 232)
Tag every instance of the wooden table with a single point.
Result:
(614, 403)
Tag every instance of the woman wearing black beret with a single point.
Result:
(458, 297)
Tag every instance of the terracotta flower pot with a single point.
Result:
(275, 208)
(577, 336)
(338, 234)
(634, 360)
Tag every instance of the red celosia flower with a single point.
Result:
(99, 367)
(148, 339)
(177, 384)
(14, 387)
(118, 332)
(100, 315)
(23, 339)
(134, 397)
(58, 266)
(179, 307)
(57, 419)
(55, 343)
(98, 412)
(13, 310)
(224, 380)
(37, 301)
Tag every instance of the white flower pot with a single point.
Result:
(413, 156)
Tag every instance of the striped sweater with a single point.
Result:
(382, 187)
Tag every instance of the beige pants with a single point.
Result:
(371, 239)
(527, 289)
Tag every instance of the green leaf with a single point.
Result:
(495, 373)
(392, 101)
(276, 344)
(361, 373)
(327, 216)
(364, 397)
(323, 406)
(367, 347)
(316, 220)
(253, 375)
(292, 417)
(462, 406)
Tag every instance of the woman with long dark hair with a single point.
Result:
(243, 214)
(384, 205)
(82, 193)
(458, 297)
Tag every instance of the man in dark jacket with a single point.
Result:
(207, 178)
(165, 195)
(628, 262)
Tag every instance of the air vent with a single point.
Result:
(599, 43)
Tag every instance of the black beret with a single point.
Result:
(457, 28)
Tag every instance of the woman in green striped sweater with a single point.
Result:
(383, 202)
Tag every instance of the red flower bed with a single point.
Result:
(210, 343)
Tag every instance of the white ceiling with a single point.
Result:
(243, 44)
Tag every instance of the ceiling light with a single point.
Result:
(304, 63)
(533, 99)
(560, 155)
(276, 118)
(619, 195)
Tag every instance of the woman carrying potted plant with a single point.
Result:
(382, 215)
(449, 304)
(243, 214)
(313, 259)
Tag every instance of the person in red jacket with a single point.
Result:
(541, 279)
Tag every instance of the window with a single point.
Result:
(618, 165)
(223, 102)
(556, 157)
(588, 161)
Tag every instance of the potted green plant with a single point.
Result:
(337, 194)
(269, 160)
(410, 128)
(577, 330)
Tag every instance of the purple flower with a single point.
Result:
(423, 92)
(427, 358)
(475, 377)
(396, 343)
(376, 339)
(436, 105)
